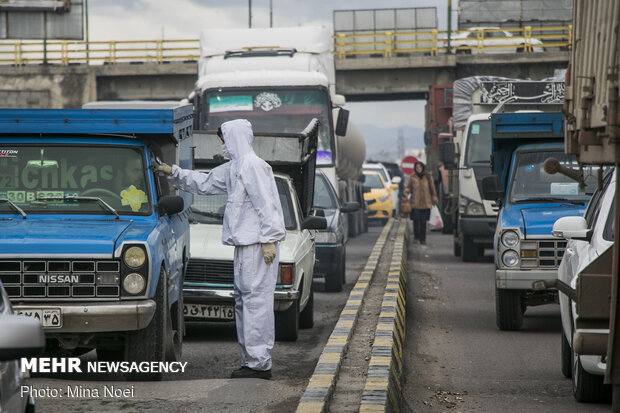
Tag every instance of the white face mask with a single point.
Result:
(225, 151)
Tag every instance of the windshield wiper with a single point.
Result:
(550, 199)
(80, 198)
(18, 209)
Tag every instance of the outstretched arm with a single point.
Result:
(199, 182)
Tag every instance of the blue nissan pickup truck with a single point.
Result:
(92, 242)
(531, 196)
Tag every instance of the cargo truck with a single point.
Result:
(279, 79)
(467, 156)
(94, 244)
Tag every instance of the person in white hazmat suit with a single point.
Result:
(253, 223)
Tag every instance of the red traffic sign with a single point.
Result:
(407, 164)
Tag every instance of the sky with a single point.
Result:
(184, 19)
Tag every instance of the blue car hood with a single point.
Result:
(538, 219)
(30, 236)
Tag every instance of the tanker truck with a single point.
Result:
(279, 79)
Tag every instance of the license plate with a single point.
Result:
(49, 317)
(218, 312)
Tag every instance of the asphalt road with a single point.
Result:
(456, 360)
(211, 351)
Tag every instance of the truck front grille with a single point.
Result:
(549, 253)
(44, 280)
(210, 271)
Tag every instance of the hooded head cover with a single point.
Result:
(238, 137)
(420, 174)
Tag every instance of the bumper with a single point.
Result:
(328, 257)
(481, 229)
(206, 295)
(521, 280)
(99, 317)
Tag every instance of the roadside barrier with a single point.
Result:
(321, 385)
(383, 388)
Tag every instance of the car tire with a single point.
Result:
(456, 247)
(508, 309)
(306, 317)
(343, 265)
(469, 250)
(588, 388)
(566, 357)
(149, 344)
(334, 280)
(287, 323)
(521, 49)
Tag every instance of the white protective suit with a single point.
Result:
(253, 216)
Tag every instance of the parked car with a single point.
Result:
(389, 179)
(208, 284)
(21, 337)
(494, 40)
(378, 197)
(588, 237)
(331, 252)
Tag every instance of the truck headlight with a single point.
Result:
(326, 238)
(384, 198)
(134, 257)
(510, 258)
(474, 208)
(134, 283)
(510, 239)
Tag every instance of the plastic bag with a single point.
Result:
(435, 223)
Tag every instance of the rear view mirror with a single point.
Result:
(571, 228)
(21, 337)
(342, 122)
(393, 187)
(397, 180)
(350, 207)
(447, 154)
(170, 205)
(492, 188)
(313, 222)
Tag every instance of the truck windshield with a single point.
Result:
(530, 182)
(272, 110)
(478, 150)
(44, 178)
(209, 209)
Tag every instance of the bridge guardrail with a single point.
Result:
(346, 45)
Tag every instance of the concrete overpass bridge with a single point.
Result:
(67, 74)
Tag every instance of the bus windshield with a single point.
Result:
(272, 110)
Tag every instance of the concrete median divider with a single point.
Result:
(315, 398)
(383, 388)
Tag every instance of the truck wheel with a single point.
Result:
(306, 317)
(469, 249)
(334, 281)
(448, 228)
(588, 388)
(567, 357)
(287, 323)
(365, 223)
(508, 313)
(149, 344)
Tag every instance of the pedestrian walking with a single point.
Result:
(422, 197)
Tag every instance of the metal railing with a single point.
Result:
(434, 42)
(373, 44)
(19, 53)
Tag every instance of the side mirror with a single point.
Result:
(397, 180)
(492, 188)
(350, 207)
(21, 337)
(338, 100)
(572, 228)
(447, 154)
(393, 187)
(170, 205)
(342, 122)
(314, 222)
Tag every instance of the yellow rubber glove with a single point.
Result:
(269, 252)
(163, 168)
